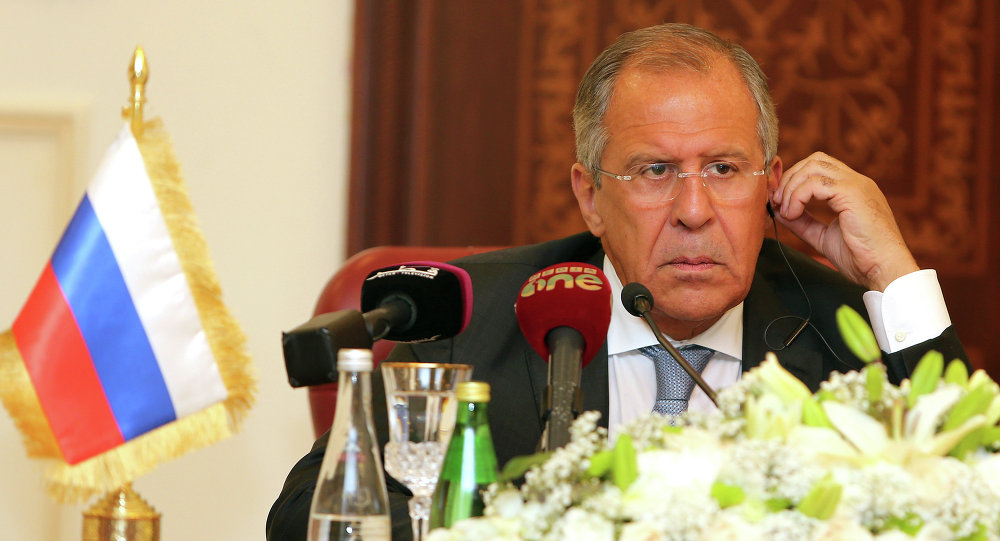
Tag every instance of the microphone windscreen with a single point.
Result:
(632, 292)
(574, 295)
(441, 295)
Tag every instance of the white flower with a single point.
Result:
(893, 535)
(786, 526)
(922, 421)
(949, 491)
(766, 469)
(874, 495)
(771, 417)
(858, 428)
(822, 445)
(580, 525)
(841, 530)
(873, 470)
(934, 531)
(692, 471)
(731, 527)
(641, 531)
(775, 381)
(506, 504)
(987, 467)
(488, 529)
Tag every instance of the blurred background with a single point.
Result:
(311, 129)
(256, 98)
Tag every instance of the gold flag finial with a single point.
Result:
(138, 73)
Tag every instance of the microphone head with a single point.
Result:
(440, 294)
(574, 295)
(631, 293)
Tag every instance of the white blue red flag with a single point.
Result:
(125, 332)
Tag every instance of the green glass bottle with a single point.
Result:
(470, 464)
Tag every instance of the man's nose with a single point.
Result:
(692, 208)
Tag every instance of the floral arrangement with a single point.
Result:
(861, 459)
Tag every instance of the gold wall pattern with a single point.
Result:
(897, 89)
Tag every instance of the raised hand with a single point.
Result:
(863, 241)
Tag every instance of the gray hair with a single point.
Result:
(671, 46)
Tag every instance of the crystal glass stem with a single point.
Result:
(420, 512)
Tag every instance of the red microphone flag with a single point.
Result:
(575, 295)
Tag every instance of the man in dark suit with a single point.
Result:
(677, 179)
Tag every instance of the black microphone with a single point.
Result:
(412, 302)
(639, 302)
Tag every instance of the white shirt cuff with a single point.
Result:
(910, 311)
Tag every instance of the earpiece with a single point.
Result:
(803, 321)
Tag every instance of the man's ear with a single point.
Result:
(775, 176)
(586, 196)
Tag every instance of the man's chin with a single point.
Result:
(694, 308)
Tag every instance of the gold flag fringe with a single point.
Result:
(21, 402)
(114, 468)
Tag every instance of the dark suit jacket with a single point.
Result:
(494, 345)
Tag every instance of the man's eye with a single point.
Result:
(655, 170)
(721, 169)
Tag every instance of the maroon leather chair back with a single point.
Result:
(343, 292)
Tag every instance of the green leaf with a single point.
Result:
(823, 395)
(600, 464)
(896, 419)
(980, 535)
(874, 381)
(909, 524)
(857, 334)
(980, 377)
(975, 402)
(624, 468)
(957, 373)
(925, 376)
(993, 411)
(516, 467)
(727, 495)
(991, 436)
(813, 415)
(774, 505)
(970, 442)
(821, 501)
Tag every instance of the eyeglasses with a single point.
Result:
(658, 182)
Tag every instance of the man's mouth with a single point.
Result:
(692, 263)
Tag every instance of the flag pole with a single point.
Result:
(138, 74)
(122, 515)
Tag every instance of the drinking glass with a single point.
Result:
(420, 400)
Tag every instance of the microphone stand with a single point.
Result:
(563, 398)
(643, 305)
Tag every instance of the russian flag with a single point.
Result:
(110, 336)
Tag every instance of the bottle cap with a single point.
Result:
(473, 391)
(354, 360)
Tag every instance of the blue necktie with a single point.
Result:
(673, 384)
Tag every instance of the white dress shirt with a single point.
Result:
(910, 311)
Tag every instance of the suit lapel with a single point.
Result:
(594, 382)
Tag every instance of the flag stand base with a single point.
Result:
(121, 515)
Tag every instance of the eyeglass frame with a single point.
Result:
(680, 175)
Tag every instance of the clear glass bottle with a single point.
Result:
(351, 501)
(470, 464)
